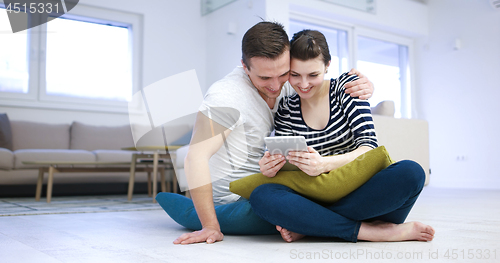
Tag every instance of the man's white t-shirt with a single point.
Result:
(235, 103)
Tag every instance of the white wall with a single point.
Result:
(459, 91)
(174, 36)
(223, 49)
(405, 17)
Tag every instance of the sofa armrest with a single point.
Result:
(179, 167)
(6, 159)
(405, 139)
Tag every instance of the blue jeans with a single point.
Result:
(235, 218)
(388, 196)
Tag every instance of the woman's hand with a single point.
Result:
(310, 162)
(271, 164)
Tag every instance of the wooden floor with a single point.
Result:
(467, 224)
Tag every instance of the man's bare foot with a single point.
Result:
(288, 235)
(383, 231)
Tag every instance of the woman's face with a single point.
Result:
(306, 77)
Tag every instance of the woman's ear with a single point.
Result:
(327, 66)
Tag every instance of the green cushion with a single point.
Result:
(328, 187)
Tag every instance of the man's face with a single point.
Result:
(269, 75)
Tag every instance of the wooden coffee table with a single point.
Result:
(153, 153)
(53, 167)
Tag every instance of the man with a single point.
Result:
(228, 138)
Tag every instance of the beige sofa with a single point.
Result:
(404, 139)
(76, 142)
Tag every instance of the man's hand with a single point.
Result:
(362, 88)
(271, 164)
(207, 140)
(310, 162)
(209, 235)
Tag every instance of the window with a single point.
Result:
(93, 59)
(87, 59)
(386, 65)
(384, 58)
(14, 57)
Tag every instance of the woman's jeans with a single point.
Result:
(388, 196)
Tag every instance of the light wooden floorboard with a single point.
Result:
(467, 224)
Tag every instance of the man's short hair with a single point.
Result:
(265, 39)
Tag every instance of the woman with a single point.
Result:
(334, 123)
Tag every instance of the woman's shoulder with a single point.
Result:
(343, 79)
(337, 85)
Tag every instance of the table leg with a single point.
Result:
(49, 183)
(162, 175)
(174, 183)
(174, 176)
(149, 184)
(155, 175)
(132, 177)
(169, 185)
(39, 183)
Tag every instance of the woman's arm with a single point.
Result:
(358, 114)
(314, 164)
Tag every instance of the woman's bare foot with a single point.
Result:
(288, 235)
(383, 231)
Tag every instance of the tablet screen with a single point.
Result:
(284, 144)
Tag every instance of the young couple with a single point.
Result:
(330, 114)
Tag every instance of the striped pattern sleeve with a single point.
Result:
(358, 113)
(282, 123)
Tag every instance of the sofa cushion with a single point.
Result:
(5, 132)
(34, 135)
(181, 155)
(174, 134)
(113, 155)
(89, 137)
(6, 159)
(30, 155)
(184, 139)
(405, 139)
(385, 108)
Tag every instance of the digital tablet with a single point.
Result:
(284, 144)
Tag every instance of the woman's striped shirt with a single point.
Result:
(350, 125)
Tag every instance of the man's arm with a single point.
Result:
(362, 88)
(207, 140)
